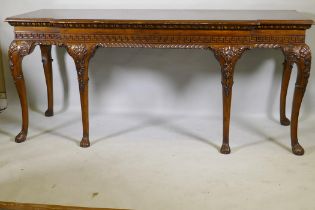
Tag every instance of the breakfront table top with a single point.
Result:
(255, 17)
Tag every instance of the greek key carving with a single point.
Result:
(161, 39)
(37, 35)
(157, 41)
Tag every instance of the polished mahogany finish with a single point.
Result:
(228, 33)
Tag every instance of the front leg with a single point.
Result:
(81, 54)
(301, 56)
(17, 51)
(227, 57)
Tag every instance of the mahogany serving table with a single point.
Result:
(227, 33)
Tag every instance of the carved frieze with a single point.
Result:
(158, 41)
(37, 35)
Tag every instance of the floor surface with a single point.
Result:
(140, 161)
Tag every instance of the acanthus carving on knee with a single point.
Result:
(81, 53)
(301, 56)
(227, 57)
(17, 51)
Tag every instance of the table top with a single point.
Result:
(172, 16)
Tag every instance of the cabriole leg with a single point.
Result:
(17, 50)
(81, 54)
(227, 57)
(301, 55)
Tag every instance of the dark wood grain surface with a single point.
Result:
(247, 16)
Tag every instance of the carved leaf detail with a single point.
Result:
(81, 55)
(301, 55)
(227, 56)
(23, 48)
(20, 49)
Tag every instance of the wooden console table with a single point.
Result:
(227, 33)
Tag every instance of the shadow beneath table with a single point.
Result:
(249, 126)
(167, 124)
(42, 129)
(9, 119)
(53, 131)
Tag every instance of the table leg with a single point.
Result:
(301, 56)
(47, 64)
(17, 50)
(81, 54)
(287, 69)
(227, 57)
